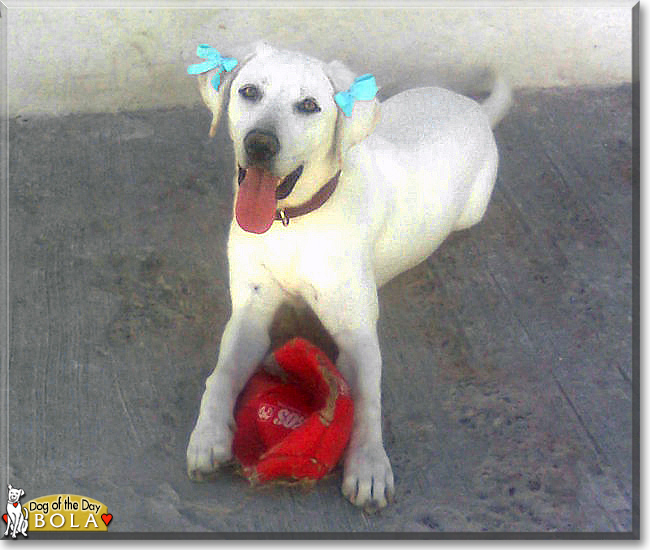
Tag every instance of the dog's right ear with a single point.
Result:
(214, 76)
(214, 99)
(216, 89)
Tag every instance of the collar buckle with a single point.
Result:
(320, 198)
(283, 217)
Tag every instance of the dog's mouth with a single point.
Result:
(285, 188)
(258, 194)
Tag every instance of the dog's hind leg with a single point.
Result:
(481, 191)
(244, 343)
(25, 522)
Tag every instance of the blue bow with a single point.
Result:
(213, 60)
(363, 88)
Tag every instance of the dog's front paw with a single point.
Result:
(368, 477)
(207, 451)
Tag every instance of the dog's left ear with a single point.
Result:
(22, 493)
(362, 116)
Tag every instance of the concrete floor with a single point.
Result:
(508, 372)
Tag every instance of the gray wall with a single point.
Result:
(63, 60)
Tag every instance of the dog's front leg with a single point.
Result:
(349, 312)
(367, 473)
(244, 343)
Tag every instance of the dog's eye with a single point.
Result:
(250, 92)
(308, 105)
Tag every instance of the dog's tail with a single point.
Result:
(474, 82)
(498, 102)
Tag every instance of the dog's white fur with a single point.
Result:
(16, 521)
(427, 169)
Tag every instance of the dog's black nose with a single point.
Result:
(261, 146)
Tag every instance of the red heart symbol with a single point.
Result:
(15, 504)
(4, 516)
(107, 518)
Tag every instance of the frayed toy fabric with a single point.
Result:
(293, 425)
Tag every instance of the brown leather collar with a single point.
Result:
(317, 200)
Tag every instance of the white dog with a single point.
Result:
(16, 521)
(329, 207)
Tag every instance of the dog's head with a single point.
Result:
(14, 494)
(289, 135)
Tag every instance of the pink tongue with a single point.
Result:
(255, 204)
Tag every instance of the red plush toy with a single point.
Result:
(293, 424)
